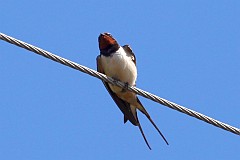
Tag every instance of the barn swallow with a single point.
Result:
(119, 62)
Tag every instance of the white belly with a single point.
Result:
(120, 66)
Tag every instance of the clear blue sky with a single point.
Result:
(187, 52)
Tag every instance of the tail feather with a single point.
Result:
(144, 137)
(158, 130)
(143, 110)
(134, 111)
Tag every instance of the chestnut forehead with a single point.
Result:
(106, 40)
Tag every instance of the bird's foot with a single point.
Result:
(126, 86)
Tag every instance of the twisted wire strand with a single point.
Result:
(120, 84)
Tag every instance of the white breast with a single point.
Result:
(120, 66)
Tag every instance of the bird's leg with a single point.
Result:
(115, 80)
(126, 86)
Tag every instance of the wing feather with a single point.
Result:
(128, 49)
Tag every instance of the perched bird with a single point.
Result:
(119, 62)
